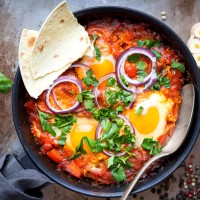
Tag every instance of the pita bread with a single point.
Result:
(61, 41)
(34, 86)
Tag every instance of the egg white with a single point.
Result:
(162, 104)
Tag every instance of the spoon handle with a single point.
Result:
(135, 180)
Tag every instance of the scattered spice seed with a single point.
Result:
(163, 17)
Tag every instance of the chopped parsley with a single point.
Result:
(124, 81)
(156, 53)
(139, 110)
(90, 79)
(88, 104)
(133, 57)
(111, 82)
(141, 66)
(177, 65)
(148, 43)
(96, 48)
(46, 126)
(86, 94)
(162, 81)
(64, 123)
(151, 145)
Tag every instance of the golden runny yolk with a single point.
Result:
(80, 130)
(145, 123)
(102, 69)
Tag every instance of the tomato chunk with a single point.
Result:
(54, 155)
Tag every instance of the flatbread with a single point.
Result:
(34, 86)
(61, 40)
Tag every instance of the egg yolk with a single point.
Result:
(145, 123)
(80, 130)
(102, 69)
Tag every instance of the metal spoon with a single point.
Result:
(180, 132)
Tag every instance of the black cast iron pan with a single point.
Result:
(85, 186)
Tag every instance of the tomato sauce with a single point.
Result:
(114, 38)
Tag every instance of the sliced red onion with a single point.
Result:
(98, 134)
(79, 65)
(119, 68)
(63, 79)
(96, 91)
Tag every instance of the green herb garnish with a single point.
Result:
(139, 110)
(156, 53)
(46, 126)
(148, 43)
(133, 58)
(177, 65)
(111, 82)
(124, 81)
(97, 53)
(64, 123)
(86, 94)
(151, 145)
(5, 84)
(90, 79)
(88, 104)
(94, 145)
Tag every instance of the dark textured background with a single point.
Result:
(18, 14)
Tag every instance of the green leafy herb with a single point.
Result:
(140, 43)
(5, 84)
(86, 94)
(177, 65)
(94, 145)
(120, 108)
(95, 37)
(111, 82)
(148, 43)
(126, 97)
(117, 165)
(90, 79)
(124, 81)
(141, 65)
(64, 123)
(133, 58)
(88, 104)
(163, 80)
(156, 86)
(112, 96)
(139, 110)
(97, 53)
(156, 53)
(46, 126)
(151, 145)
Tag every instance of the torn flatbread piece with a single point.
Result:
(61, 41)
(34, 86)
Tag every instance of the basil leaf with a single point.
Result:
(88, 104)
(177, 65)
(139, 110)
(97, 53)
(45, 124)
(90, 79)
(156, 53)
(111, 81)
(151, 145)
(5, 84)
(133, 58)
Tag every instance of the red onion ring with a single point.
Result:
(119, 68)
(98, 134)
(62, 79)
(79, 65)
(95, 90)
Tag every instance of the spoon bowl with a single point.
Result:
(180, 132)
